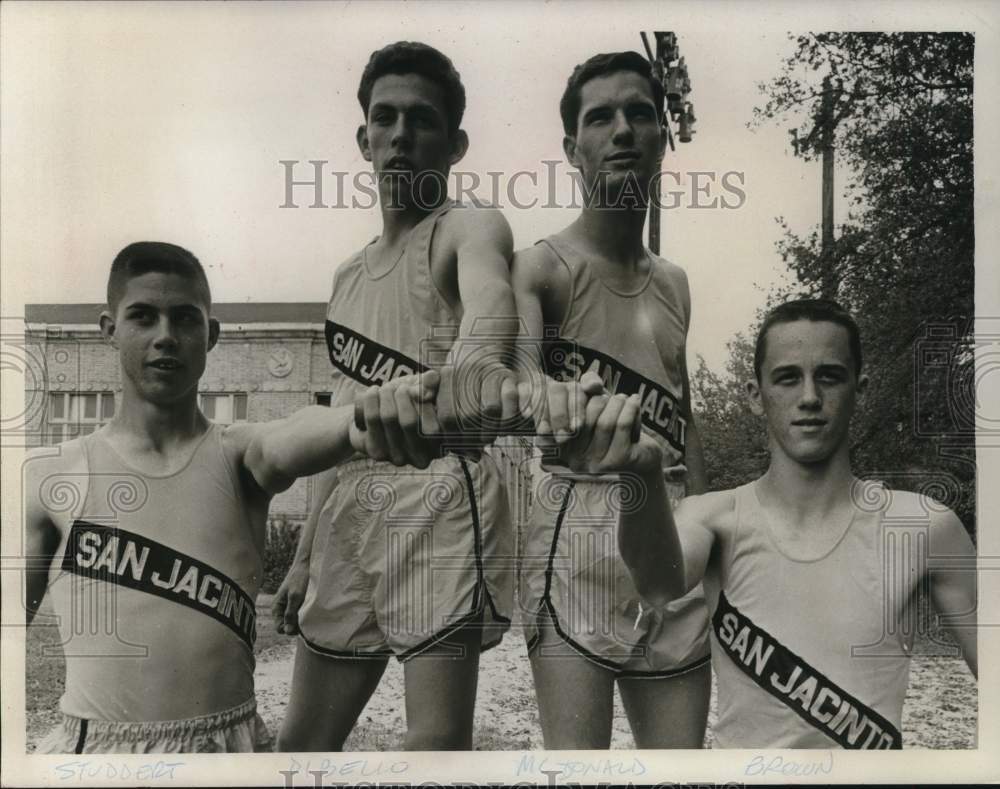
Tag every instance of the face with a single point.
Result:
(406, 134)
(808, 389)
(618, 131)
(162, 332)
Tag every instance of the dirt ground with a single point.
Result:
(940, 711)
(941, 706)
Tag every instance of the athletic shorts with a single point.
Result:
(573, 578)
(402, 557)
(238, 730)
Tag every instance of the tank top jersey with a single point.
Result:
(380, 328)
(154, 589)
(803, 650)
(634, 341)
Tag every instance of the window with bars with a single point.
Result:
(224, 408)
(323, 398)
(74, 414)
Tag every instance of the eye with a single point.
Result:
(642, 112)
(424, 120)
(139, 315)
(597, 117)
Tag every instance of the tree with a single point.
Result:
(903, 262)
(736, 440)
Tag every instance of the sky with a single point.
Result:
(131, 121)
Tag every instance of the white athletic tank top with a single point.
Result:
(634, 341)
(379, 328)
(154, 587)
(809, 654)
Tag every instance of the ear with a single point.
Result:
(754, 397)
(362, 137)
(107, 322)
(459, 146)
(213, 333)
(862, 386)
(663, 138)
(569, 148)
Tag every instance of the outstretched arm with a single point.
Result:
(952, 575)
(647, 537)
(666, 555)
(398, 418)
(482, 355)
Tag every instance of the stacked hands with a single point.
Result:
(410, 419)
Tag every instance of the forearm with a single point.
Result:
(489, 318)
(309, 441)
(648, 540)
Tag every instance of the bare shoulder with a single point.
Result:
(476, 223)
(946, 532)
(669, 269)
(537, 264)
(236, 440)
(714, 511)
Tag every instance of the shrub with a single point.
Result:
(279, 550)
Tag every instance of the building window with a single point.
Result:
(72, 414)
(224, 408)
(323, 398)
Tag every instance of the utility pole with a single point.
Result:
(669, 67)
(831, 280)
(826, 142)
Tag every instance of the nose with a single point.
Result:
(165, 334)
(622, 132)
(401, 134)
(811, 398)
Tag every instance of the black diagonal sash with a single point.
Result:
(364, 360)
(567, 360)
(799, 686)
(120, 557)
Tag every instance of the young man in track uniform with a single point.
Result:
(149, 533)
(813, 576)
(620, 311)
(400, 562)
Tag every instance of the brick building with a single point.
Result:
(270, 360)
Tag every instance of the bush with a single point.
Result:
(279, 550)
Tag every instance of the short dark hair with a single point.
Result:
(143, 257)
(808, 310)
(598, 66)
(412, 57)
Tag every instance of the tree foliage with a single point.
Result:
(901, 107)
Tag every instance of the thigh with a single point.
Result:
(328, 694)
(670, 712)
(575, 696)
(441, 684)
